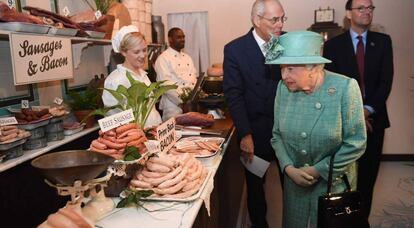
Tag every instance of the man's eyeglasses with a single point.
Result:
(363, 9)
(274, 20)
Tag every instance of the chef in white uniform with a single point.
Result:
(176, 67)
(132, 45)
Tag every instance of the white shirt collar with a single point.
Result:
(259, 42)
(173, 50)
(122, 68)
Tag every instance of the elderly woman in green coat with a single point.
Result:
(317, 113)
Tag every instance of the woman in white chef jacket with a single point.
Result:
(132, 45)
(176, 67)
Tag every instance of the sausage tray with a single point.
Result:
(198, 138)
(34, 124)
(188, 199)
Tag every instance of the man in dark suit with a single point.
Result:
(250, 89)
(367, 57)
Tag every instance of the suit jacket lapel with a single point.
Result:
(370, 52)
(350, 54)
(254, 55)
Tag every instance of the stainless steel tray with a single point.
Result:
(55, 136)
(62, 31)
(8, 146)
(37, 132)
(24, 27)
(94, 34)
(35, 144)
(68, 132)
(54, 127)
(34, 124)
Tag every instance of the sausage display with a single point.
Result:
(113, 142)
(9, 134)
(11, 15)
(171, 176)
(198, 146)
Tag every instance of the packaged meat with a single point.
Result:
(195, 119)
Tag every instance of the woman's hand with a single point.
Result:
(299, 176)
(311, 171)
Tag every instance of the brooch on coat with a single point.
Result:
(273, 48)
(331, 91)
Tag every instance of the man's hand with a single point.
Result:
(368, 120)
(247, 148)
(366, 113)
(311, 171)
(300, 177)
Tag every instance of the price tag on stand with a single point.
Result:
(66, 11)
(39, 107)
(166, 135)
(25, 104)
(116, 120)
(8, 121)
(11, 4)
(153, 146)
(58, 100)
(98, 14)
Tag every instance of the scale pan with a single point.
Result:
(66, 167)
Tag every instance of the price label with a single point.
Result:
(66, 11)
(11, 3)
(8, 121)
(98, 14)
(25, 104)
(58, 100)
(153, 146)
(39, 108)
(166, 135)
(116, 120)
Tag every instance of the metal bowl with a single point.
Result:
(213, 85)
(68, 166)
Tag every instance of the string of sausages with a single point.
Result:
(9, 134)
(113, 142)
(170, 176)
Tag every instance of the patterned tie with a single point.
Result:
(360, 55)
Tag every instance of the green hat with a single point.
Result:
(299, 47)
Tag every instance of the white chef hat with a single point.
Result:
(116, 41)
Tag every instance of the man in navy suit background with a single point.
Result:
(250, 89)
(373, 68)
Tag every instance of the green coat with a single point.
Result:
(308, 129)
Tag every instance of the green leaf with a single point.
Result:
(122, 203)
(134, 197)
(117, 95)
(131, 153)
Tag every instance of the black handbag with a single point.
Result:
(340, 210)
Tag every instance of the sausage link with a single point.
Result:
(98, 145)
(111, 144)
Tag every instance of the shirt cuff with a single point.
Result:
(370, 109)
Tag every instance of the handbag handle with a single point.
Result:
(344, 177)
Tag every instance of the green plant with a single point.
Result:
(103, 5)
(133, 197)
(86, 100)
(138, 97)
(185, 94)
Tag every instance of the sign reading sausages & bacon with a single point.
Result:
(40, 58)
